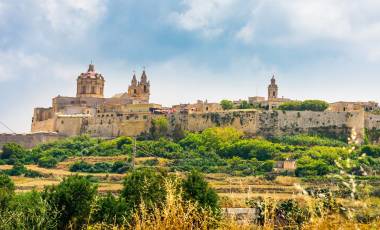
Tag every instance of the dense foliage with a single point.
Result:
(311, 105)
(215, 150)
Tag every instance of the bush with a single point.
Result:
(196, 188)
(159, 128)
(144, 185)
(371, 150)
(7, 189)
(226, 104)
(290, 213)
(32, 212)
(72, 198)
(101, 167)
(12, 152)
(111, 210)
(311, 105)
(47, 162)
(306, 140)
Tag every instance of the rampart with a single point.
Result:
(275, 123)
(29, 140)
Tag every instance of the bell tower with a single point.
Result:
(140, 90)
(272, 89)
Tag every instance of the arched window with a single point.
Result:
(134, 91)
(83, 89)
(93, 89)
(145, 88)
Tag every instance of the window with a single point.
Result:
(145, 88)
(134, 91)
(62, 122)
(83, 89)
(93, 89)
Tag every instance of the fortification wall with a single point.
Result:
(274, 123)
(112, 125)
(372, 121)
(29, 140)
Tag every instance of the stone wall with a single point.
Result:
(44, 126)
(29, 140)
(274, 123)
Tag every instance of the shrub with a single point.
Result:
(111, 210)
(7, 188)
(371, 150)
(12, 152)
(72, 198)
(18, 169)
(32, 212)
(159, 128)
(81, 166)
(290, 213)
(306, 140)
(312, 105)
(226, 104)
(196, 188)
(144, 185)
(47, 162)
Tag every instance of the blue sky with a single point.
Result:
(192, 49)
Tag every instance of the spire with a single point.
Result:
(143, 77)
(91, 68)
(134, 80)
(273, 80)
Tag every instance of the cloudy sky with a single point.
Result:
(192, 49)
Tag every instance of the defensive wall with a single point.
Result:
(276, 123)
(29, 140)
(252, 122)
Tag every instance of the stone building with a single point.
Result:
(343, 106)
(272, 90)
(130, 113)
(91, 113)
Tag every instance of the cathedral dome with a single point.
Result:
(90, 83)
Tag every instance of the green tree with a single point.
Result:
(245, 105)
(32, 212)
(7, 188)
(47, 162)
(315, 105)
(144, 185)
(13, 152)
(196, 188)
(111, 210)
(159, 128)
(227, 104)
(311, 105)
(72, 198)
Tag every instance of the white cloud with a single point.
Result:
(205, 16)
(72, 16)
(18, 64)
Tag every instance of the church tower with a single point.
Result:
(272, 89)
(140, 90)
(90, 84)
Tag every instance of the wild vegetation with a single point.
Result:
(168, 188)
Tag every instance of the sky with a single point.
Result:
(191, 49)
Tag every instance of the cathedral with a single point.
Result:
(91, 113)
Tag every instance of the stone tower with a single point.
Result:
(90, 84)
(140, 90)
(272, 89)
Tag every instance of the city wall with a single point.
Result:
(29, 140)
(275, 123)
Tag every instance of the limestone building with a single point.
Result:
(91, 113)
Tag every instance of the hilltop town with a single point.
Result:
(131, 113)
